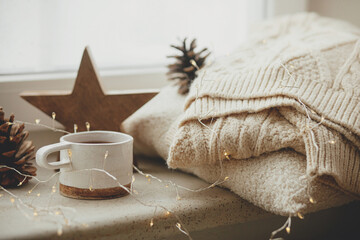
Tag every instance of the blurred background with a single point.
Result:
(42, 42)
(49, 36)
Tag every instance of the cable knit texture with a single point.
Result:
(285, 106)
(276, 181)
(272, 93)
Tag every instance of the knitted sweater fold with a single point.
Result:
(295, 85)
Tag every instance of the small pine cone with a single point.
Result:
(15, 152)
(186, 65)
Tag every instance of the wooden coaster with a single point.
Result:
(85, 193)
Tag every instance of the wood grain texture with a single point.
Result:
(88, 102)
(85, 193)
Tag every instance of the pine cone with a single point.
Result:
(186, 65)
(15, 152)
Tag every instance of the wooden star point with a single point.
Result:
(88, 102)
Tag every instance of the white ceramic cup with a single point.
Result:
(104, 150)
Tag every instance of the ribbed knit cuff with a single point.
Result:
(333, 156)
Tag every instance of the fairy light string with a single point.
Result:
(310, 180)
(176, 186)
(132, 192)
(155, 206)
(59, 210)
(53, 116)
(227, 155)
(286, 226)
(87, 125)
(36, 211)
(37, 123)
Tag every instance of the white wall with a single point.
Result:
(348, 10)
(281, 7)
(47, 36)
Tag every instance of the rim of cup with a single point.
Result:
(126, 138)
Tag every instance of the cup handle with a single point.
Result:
(43, 153)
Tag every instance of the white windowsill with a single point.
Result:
(213, 214)
(72, 74)
(125, 218)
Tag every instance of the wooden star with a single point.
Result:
(87, 102)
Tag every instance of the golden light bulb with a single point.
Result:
(151, 222)
(1, 195)
(75, 128)
(227, 155)
(69, 153)
(57, 213)
(53, 115)
(106, 154)
(53, 189)
(167, 213)
(59, 232)
(300, 215)
(178, 225)
(226, 178)
(332, 141)
(20, 183)
(178, 198)
(12, 200)
(87, 124)
(193, 62)
(91, 188)
(37, 121)
(311, 200)
(38, 194)
(287, 230)
(35, 214)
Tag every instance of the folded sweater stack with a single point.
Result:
(284, 108)
(305, 66)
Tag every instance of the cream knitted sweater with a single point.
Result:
(295, 85)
